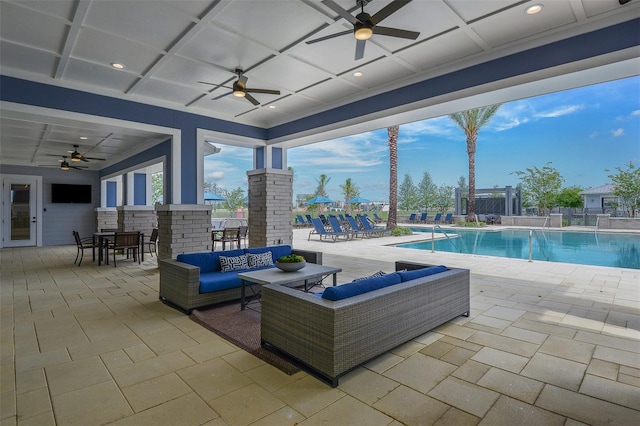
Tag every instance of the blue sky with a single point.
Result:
(581, 132)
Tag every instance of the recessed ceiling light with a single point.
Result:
(533, 9)
(117, 66)
(272, 107)
(84, 138)
(357, 74)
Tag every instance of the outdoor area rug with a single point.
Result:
(242, 328)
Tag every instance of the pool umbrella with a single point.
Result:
(319, 199)
(358, 199)
(213, 197)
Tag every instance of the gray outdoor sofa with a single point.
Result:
(194, 280)
(332, 337)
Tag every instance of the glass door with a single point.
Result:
(20, 213)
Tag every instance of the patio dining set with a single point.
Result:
(129, 243)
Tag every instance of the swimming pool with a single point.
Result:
(586, 248)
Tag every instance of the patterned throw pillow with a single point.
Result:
(376, 274)
(259, 260)
(235, 263)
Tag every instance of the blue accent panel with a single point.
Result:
(260, 158)
(276, 158)
(112, 192)
(595, 43)
(162, 149)
(139, 189)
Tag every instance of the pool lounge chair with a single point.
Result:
(448, 218)
(300, 221)
(335, 225)
(377, 218)
(358, 228)
(318, 228)
(412, 218)
(364, 220)
(423, 218)
(437, 218)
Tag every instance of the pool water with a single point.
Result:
(587, 248)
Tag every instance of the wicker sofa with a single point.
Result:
(332, 337)
(194, 280)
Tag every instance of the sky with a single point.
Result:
(583, 133)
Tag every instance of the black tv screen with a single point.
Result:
(68, 193)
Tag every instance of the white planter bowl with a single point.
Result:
(290, 267)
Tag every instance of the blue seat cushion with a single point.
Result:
(359, 287)
(216, 281)
(276, 251)
(419, 273)
(208, 261)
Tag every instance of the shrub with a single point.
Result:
(291, 258)
(401, 231)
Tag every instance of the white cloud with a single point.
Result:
(617, 132)
(636, 112)
(594, 135)
(559, 111)
(214, 176)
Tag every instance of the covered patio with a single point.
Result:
(546, 343)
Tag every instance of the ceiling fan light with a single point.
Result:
(239, 93)
(363, 32)
(75, 158)
(64, 165)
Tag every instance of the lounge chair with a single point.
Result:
(423, 218)
(318, 228)
(364, 220)
(342, 219)
(335, 225)
(448, 218)
(324, 220)
(437, 218)
(377, 218)
(357, 228)
(412, 218)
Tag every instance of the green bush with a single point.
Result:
(290, 258)
(401, 231)
(470, 224)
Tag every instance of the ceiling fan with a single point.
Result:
(76, 156)
(365, 25)
(241, 90)
(64, 164)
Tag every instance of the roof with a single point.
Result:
(604, 189)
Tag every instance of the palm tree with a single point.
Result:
(392, 220)
(470, 122)
(350, 190)
(321, 189)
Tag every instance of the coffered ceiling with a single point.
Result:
(182, 54)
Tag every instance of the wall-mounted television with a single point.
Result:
(69, 193)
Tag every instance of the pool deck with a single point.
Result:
(545, 344)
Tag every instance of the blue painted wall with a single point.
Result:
(112, 192)
(139, 189)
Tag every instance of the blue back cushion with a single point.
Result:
(276, 251)
(419, 273)
(359, 287)
(208, 261)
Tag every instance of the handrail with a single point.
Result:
(433, 238)
(531, 245)
(547, 222)
(477, 223)
(541, 246)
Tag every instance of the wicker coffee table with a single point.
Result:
(310, 274)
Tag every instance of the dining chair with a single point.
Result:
(242, 235)
(82, 244)
(228, 235)
(128, 242)
(153, 242)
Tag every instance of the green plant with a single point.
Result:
(401, 231)
(470, 224)
(291, 258)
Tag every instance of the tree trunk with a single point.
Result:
(471, 151)
(392, 221)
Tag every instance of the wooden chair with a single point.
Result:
(228, 235)
(242, 236)
(82, 244)
(128, 242)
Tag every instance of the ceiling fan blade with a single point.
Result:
(330, 36)
(395, 32)
(267, 91)
(94, 158)
(388, 10)
(360, 48)
(76, 167)
(340, 11)
(251, 99)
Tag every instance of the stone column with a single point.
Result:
(603, 221)
(555, 220)
(106, 218)
(183, 228)
(270, 207)
(137, 218)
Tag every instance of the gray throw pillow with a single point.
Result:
(235, 263)
(259, 260)
(375, 274)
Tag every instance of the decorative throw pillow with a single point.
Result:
(376, 274)
(259, 260)
(234, 263)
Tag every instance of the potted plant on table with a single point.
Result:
(290, 263)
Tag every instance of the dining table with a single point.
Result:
(102, 238)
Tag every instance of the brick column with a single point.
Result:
(106, 218)
(137, 218)
(183, 228)
(270, 207)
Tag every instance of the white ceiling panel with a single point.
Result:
(50, 31)
(98, 75)
(449, 47)
(18, 58)
(597, 7)
(379, 73)
(290, 74)
(470, 10)
(331, 90)
(166, 91)
(514, 24)
(63, 9)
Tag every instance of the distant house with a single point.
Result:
(600, 198)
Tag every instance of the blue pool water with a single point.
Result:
(587, 248)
